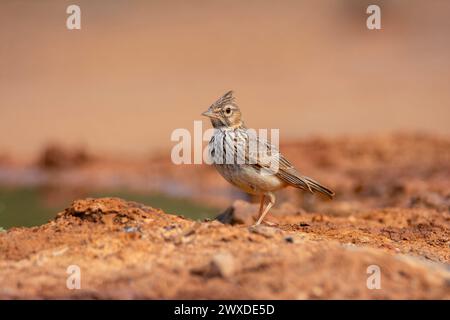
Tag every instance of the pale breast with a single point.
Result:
(227, 146)
(227, 152)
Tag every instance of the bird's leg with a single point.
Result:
(261, 206)
(269, 205)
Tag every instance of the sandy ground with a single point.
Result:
(126, 250)
(392, 211)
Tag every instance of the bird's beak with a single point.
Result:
(209, 113)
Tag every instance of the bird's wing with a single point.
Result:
(269, 160)
(266, 157)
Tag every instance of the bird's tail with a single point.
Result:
(314, 186)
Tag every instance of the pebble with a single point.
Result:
(223, 264)
(130, 229)
(268, 232)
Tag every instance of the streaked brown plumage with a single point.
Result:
(231, 152)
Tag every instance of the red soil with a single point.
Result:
(392, 210)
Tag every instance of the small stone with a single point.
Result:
(295, 238)
(241, 212)
(268, 232)
(289, 239)
(317, 291)
(223, 265)
(304, 224)
(129, 229)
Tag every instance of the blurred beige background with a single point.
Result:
(139, 69)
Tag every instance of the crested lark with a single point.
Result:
(232, 152)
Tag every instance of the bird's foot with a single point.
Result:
(266, 223)
(270, 223)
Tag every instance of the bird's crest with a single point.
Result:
(227, 98)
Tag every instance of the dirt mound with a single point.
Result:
(109, 211)
(126, 250)
(58, 157)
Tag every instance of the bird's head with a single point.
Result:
(224, 112)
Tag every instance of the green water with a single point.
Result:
(28, 207)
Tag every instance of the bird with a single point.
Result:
(232, 151)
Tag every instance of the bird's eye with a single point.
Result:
(228, 111)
